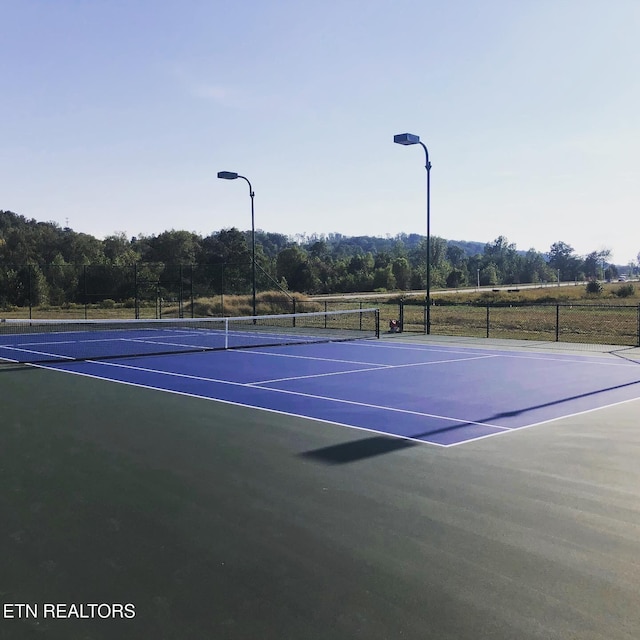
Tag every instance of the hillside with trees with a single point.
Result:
(58, 265)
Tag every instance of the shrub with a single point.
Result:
(625, 290)
(108, 303)
(594, 287)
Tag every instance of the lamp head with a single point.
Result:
(406, 139)
(227, 175)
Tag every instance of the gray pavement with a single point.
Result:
(227, 522)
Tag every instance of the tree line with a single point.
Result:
(60, 261)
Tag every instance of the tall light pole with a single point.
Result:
(409, 139)
(231, 175)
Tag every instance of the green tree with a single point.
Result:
(401, 270)
(534, 267)
(456, 278)
(383, 278)
(293, 265)
(456, 256)
(62, 279)
(174, 247)
(562, 257)
(489, 275)
(119, 250)
(594, 261)
(505, 258)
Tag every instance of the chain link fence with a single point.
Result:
(142, 290)
(592, 323)
(561, 322)
(156, 290)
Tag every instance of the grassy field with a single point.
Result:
(567, 313)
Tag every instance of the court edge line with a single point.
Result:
(384, 344)
(373, 367)
(246, 385)
(500, 430)
(246, 406)
(290, 355)
(525, 355)
(542, 422)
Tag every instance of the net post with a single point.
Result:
(226, 333)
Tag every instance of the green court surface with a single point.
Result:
(225, 522)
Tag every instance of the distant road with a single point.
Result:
(378, 296)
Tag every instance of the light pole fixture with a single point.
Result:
(232, 175)
(410, 139)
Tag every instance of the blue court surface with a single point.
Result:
(433, 393)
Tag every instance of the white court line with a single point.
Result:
(317, 375)
(295, 393)
(533, 355)
(167, 344)
(290, 355)
(235, 403)
(548, 421)
(39, 353)
(422, 441)
(372, 368)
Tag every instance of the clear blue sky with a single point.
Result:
(117, 115)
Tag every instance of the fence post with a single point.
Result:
(30, 290)
(136, 300)
(181, 293)
(401, 314)
(487, 320)
(192, 300)
(638, 336)
(86, 294)
(557, 323)
(222, 289)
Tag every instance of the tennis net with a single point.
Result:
(39, 341)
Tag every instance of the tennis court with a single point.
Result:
(438, 394)
(293, 489)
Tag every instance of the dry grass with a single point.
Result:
(557, 295)
(267, 303)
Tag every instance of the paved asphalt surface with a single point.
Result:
(227, 522)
